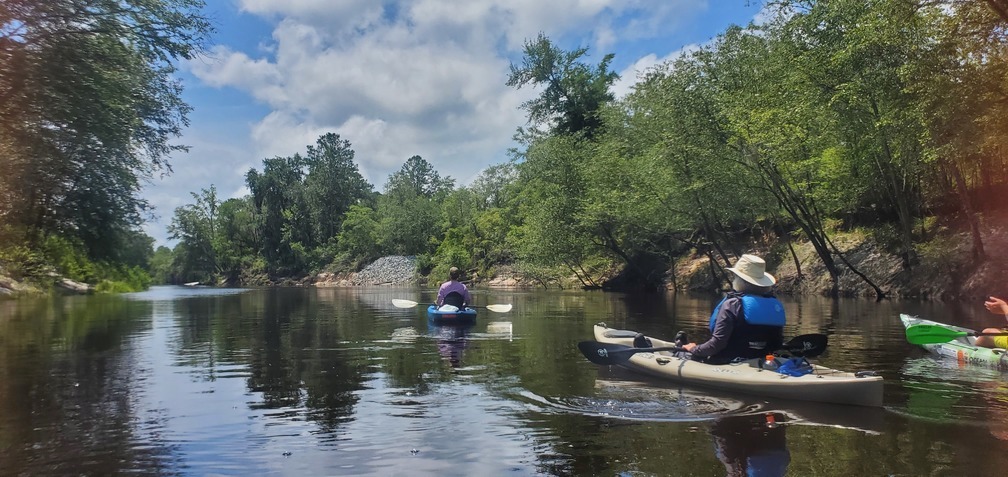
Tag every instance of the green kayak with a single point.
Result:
(962, 348)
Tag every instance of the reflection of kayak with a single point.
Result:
(466, 316)
(822, 385)
(962, 348)
(452, 340)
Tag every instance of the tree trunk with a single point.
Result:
(967, 206)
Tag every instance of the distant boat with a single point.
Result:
(191, 284)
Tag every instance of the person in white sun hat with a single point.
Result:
(749, 321)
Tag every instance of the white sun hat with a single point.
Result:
(753, 270)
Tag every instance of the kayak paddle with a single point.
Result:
(398, 303)
(934, 334)
(809, 345)
(611, 353)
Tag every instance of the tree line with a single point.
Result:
(886, 115)
(89, 107)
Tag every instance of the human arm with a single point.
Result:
(724, 324)
(441, 295)
(997, 306)
(466, 297)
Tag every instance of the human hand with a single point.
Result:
(689, 347)
(996, 305)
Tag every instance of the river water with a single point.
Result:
(337, 381)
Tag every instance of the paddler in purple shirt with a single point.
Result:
(453, 292)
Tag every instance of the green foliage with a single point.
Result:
(21, 263)
(89, 109)
(332, 185)
(123, 279)
(161, 266)
(573, 92)
(358, 238)
(417, 178)
(452, 252)
(70, 259)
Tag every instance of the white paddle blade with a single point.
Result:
(500, 308)
(403, 303)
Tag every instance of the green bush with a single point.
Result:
(22, 263)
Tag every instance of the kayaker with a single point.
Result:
(749, 321)
(453, 292)
(998, 307)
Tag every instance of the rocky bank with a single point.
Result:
(946, 270)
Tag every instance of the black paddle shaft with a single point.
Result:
(807, 346)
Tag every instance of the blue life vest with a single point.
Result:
(757, 310)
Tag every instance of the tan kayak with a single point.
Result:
(821, 385)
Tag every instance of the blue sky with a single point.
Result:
(396, 79)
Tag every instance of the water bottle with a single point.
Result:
(770, 363)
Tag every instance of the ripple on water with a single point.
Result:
(627, 400)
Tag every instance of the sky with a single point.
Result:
(396, 78)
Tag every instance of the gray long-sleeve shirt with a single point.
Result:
(724, 324)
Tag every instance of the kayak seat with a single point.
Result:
(454, 299)
(620, 334)
(641, 341)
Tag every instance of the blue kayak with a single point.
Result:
(465, 316)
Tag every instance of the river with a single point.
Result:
(337, 381)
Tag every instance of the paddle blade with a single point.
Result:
(931, 334)
(605, 353)
(500, 308)
(809, 346)
(403, 303)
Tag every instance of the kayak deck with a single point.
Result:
(963, 349)
(465, 316)
(822, 385)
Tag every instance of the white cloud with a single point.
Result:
(633, 73)
(224, 163)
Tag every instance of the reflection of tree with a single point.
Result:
(67, 379)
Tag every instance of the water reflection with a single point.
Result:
(451, 341)
(946, 391)
(752, 445)
(296, 381)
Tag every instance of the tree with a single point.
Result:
(278, 195)
(572, 92)
(160, 266)
(196, 226)
(332, 185)
(88, 107)
(418, 177)
(358, 237)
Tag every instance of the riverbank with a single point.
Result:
(946, 269)
(11, 288)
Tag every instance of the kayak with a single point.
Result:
(963, 349)
(465, 316)
(822, 384)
